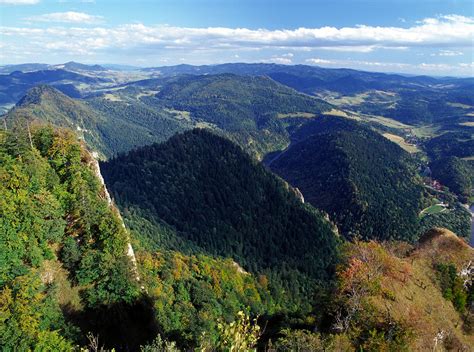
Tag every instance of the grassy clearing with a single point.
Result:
(53, 272)
(426, 131)
(180, 114)
(410, 148)
(357, 99)
(204, 124)
(112, 97)
(306, 115)
(374, 96)
(146, 93)
(343, 113)
(388, 122)
(434, 209)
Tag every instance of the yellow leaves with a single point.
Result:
(180, 266)
(6, 300)
(263, 281)
(239, 335)
(19, 302)
(12, 176)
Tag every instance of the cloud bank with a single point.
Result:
(448, 35)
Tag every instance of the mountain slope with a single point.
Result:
(48, 105)
(410, 99)
(14, 85)
(366, 183)
(66, 270)
(249, 111)
(107, 129)
(394, 296)
(246, 108)
(218, 200)
(63, 249)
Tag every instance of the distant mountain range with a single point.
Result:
(69, 66)
(409, 99)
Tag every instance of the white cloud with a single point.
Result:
(66, 17)
(19, 2)
(432, 68)
(284, 59)
(279, 60)
(443, 32)
(360, 48)
(450, 53)
(316, 61)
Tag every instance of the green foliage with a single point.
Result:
(159, 345)
(457, 220)
(299, 340)
(50, 203)
(29, 317)
(367, 184)
(455, 173)
(245, 108)
(242, 108)
(459, 144)
(191, 293)
(218, 199)
(452, 286)
(239, 335)
(144, 124)
(49, 106)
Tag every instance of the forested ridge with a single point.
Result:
(243, 109)
(217, 199)
(451, 161)
(367, 184)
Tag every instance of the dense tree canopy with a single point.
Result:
(217, 198)
(367, 184)
(52, 212)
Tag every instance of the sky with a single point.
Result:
(433, 37)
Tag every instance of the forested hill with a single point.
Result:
(46, 104)
(218, 199)
(247, 108)
(367, 184)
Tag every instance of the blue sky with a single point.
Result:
(418, 36)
